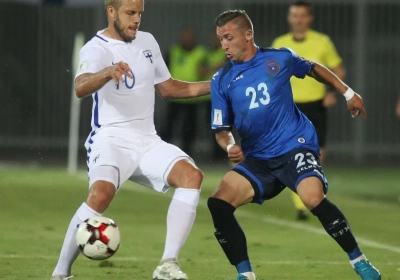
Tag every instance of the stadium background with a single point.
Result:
(36, 74)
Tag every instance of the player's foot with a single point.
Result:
(169, 270)
(247, 276)
(366, 270)
(61, 277)
(302, 215)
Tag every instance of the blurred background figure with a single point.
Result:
(312, 98)
(215, 59)
(185, 61)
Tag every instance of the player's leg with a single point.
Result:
(105, 177)
(100, 195)
(311, 185)
(247, 182)
(162, 167)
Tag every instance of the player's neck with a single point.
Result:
(250, 53)
(299, 35)
(112, 34)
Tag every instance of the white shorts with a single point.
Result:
(146, 160)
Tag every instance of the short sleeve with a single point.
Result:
(331, 56)
(221, 112)
(91, 60)
(162, 73)
(300, 66)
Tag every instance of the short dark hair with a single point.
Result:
(115, 3)
(306, 4)
(243, 20)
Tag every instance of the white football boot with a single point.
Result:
(169, 270)
(61, 277)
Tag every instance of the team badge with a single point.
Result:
(148, 55)
(273, 67)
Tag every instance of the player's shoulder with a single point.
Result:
(96, 44)
(145, 37)
(319, 36)
(284, 51)
(219, 76)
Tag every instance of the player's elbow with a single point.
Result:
(79, 92)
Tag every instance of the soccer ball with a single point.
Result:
(98, 238)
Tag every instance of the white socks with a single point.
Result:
(70, 251)
(180, 219)
(362, 257)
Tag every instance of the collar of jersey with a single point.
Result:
(108, 39)
(248, 62)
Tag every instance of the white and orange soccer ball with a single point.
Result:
(98, 238)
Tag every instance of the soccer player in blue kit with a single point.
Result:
(279, 145)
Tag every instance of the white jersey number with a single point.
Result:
(263, 100)
(129, 83)
(309, 158)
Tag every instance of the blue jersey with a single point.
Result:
(256, 97)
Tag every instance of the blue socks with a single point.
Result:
(244, 266)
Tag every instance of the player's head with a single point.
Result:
(188, 38)
(124, 17)
(235, 32)
(300, 16)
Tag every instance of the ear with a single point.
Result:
(249, 35)
(111, 12)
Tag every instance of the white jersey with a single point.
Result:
(130, 104)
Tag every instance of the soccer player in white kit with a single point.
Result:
(119, 68)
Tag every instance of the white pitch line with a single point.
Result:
(205, 260)
(275, 221)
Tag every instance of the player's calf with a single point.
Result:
(229, 234)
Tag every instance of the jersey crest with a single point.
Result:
(148, 55)
(273, 67)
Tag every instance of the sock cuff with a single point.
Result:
(320, 207)
(85, 212)
(188, 196)
(220, 205)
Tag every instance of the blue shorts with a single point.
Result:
(270, 176)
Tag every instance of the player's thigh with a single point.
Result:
(111, 163)
(259, 180)
(297, 166)
(156, 165)
(234, 189)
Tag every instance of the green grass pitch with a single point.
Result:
(36, 207)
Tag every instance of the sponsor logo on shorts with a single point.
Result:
(301, 140)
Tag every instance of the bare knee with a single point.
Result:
(100, 196)
(185, 174)
(310, 191)
(312, 201)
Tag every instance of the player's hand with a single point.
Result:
(329, 100)
(118, 71)
(356, 106)
(235, 154)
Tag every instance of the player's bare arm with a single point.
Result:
(88, 83)
(330, 96)
(226, 141)
(172, 88)
(323, 75)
